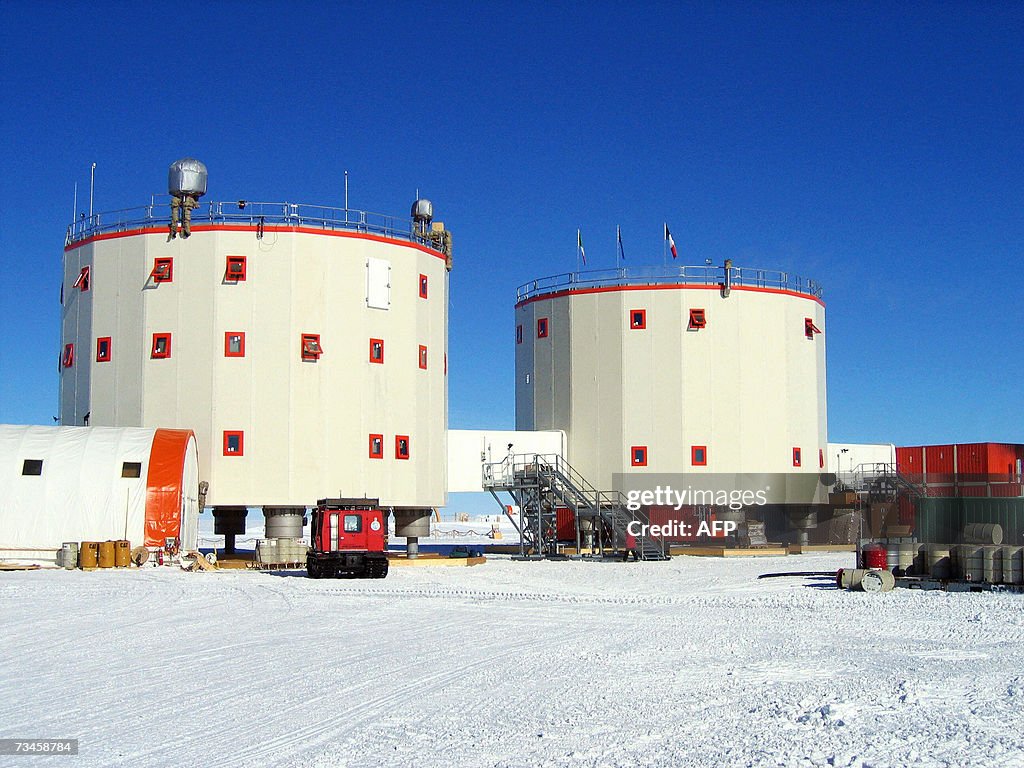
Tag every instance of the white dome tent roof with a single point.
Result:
(62, 484)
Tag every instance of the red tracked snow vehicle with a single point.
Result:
(348, 540)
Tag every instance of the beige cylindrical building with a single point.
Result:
(686, 369)
(306, 347)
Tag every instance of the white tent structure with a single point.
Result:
(78, 484)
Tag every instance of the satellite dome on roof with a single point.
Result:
(423, 210)
(187, 177)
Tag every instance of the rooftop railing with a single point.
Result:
(244, 212)
(736, 277)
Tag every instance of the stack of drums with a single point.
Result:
(88, 555)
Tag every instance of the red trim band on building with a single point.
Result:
(252, 228)
(660, 287)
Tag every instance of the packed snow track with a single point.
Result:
(693, 662)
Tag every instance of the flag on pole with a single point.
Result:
(579, 245)
(618, 233)
(671, 243)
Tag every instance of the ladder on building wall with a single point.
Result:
(540, 484)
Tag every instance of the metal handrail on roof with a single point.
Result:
(702, 275)
(246, 213)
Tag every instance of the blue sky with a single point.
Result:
(875, 147)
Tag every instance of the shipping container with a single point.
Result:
(565, 524)
(905, 510)
(941, 521)
(1006, 490)
(910, 463)
(972, 459)
(972, 490)
(964, 466)
(1004, 461)
(939, 464)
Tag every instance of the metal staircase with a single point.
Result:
(541, 483)
(881, 482)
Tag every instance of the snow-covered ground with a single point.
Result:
(688, 663)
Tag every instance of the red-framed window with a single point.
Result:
(310, 347)
(401, 447)
(376, 350)
(542, 327)
(638, 319)
(82, 283)
(810, 328)
(797, 459)
(699, 455)
(234, 443)
(423, 286)
(163, 270)
(638, 456)
(519, 334)
(234, 269)
(423, 357)
(376, 446)
(698, 319)
(234, 344)
(103, 349)
(68, 358)
(161, 348)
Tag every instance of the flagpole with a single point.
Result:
(579, 235)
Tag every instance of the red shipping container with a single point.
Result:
(1004, 461)
(910, 461)
(973, 490)
(972, 459)
(565, 524)
(939, 464)
(905, 510)
(1006, 490)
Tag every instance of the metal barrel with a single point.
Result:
(874, 556)
(905, 556)
(921, 560)
(850, 578)
(88, 555)
(877, 580)
(69, 555)
(938, 561)
(983, 533)
(1013, 565)
(972, 563)
(892, 561)
(993, 564)
(106, 554)
(122, 553)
